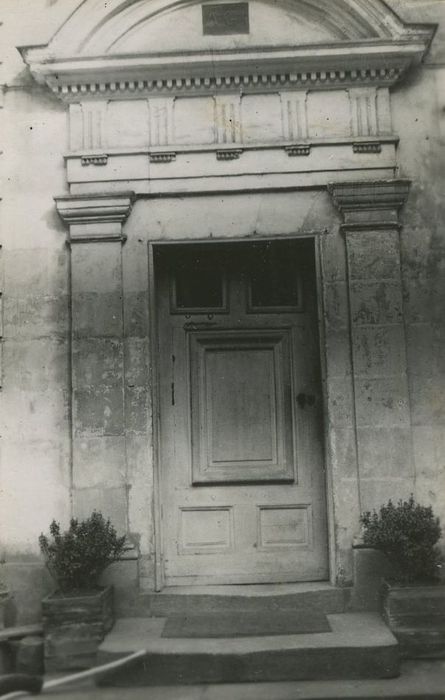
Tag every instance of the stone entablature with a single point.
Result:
(200, 137)
(287, 116)
(176, 115)
(212, 168)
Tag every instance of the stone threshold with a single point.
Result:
(243, 597)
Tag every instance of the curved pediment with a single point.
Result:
(145, 26)
(159, 26)
(156, 40)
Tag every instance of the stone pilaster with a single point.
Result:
(99, 478)
(381, 402)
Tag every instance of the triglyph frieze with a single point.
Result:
(284, 116)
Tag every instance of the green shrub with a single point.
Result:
(408, 534)
(77, 557)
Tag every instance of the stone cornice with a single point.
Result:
(376, 62)
(370, 204)
(95, 217)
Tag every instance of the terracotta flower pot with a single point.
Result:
(415, 613)
(74, 626)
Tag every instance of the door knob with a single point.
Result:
(304, 400)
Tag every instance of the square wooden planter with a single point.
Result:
(74, 626)
(416, 616)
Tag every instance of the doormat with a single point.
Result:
(246, 624)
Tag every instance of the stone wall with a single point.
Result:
(35, 466)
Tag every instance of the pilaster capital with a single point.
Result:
(370, 204)
(95, 217)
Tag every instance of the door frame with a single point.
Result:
(154, 377)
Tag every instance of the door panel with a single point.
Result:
(242, 476)
(241, 406)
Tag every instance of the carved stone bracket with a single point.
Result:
(368, 147)
(298, 150)
(370, 205)
(229, 153)
(165, 157)
(94, 160)
(95, 217)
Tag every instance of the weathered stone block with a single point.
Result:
(421, 349)
(139, 455)
(427, 403)
(343, 453)
(334, 258)
(376, 302)
(374, 492)
(429, 448)
(134, 260)
(99, 462)
(136, 409)
(34, 316)
(96, 267)
(336, 305)
(378, 350)
(136, 353)
(35, 364)
(340, 402)
(97, 314)
(382, 402)
(99, 410)
(423, 299)
(96, 361)
(373, 255)
(41, 271)
(136, 314)
(385, 452)
(36, 415)
(338, 352)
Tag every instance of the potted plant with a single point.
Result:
(413, 595)
(79, 613)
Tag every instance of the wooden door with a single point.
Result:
(242, 475)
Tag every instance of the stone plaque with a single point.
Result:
(229, 18)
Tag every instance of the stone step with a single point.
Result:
(358, 646)
(213, 599)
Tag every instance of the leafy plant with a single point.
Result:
(77, 557)
(408, 534)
